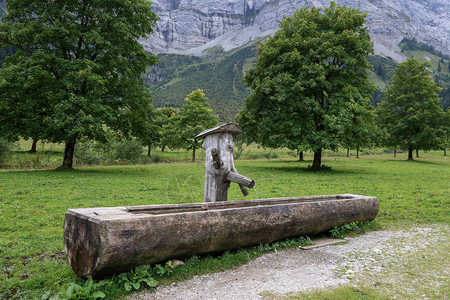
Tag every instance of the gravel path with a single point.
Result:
(297, 270)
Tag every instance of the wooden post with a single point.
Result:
(219, 163)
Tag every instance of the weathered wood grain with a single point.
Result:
(219, 166)
(104, 241)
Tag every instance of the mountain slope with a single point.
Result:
(220, 78)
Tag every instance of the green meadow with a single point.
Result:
(33, 202)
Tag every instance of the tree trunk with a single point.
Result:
(348, 152)
(395, 153)
(410, 153)
(163, 148)
(68, 155)
(149, 153)
(193, 154)
(33, 146)
(300, 156)
(445, 151)
(417, 153)
(357, 152)
(317, 159)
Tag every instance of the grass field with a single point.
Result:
(50, 155)
(33, 202)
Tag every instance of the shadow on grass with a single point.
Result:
(275, 160)
(302, 169)
(415, 161)
(91, 170)
(45, 152)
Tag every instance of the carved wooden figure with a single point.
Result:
(219, 163)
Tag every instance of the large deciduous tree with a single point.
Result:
(194, 117)
(309, 82)
(80, 64)
(411, 114)
(24, 103)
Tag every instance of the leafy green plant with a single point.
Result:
(193, 259)
(89, 290)
(167, 269)
(135, 278)
(341, 231)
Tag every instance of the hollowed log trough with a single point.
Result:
(107, 240)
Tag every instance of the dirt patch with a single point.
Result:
(366, 259)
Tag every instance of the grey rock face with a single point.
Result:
(191, 26)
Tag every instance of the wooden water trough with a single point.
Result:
(107, 240)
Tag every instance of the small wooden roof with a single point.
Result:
(228, 127)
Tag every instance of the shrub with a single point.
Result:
(5, 151)
(270, 154)
(129, 150)
(40, 159)
(156, 158)
(341, 231)
(238, 149)
(88, 154)
(136, 278)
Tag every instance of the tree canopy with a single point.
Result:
(77, 66)
(411, 114)
(309, 83)
(153, 134)
(194, 117)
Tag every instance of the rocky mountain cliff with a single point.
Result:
(193, 26)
